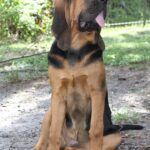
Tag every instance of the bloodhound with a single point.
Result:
(79, 117)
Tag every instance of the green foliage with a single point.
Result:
(35, 18)
(24, 18)
(127, 10)
(9, 12)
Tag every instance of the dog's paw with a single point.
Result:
(72, 148)
(38, 148)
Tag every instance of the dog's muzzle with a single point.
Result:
(87, 26)
(94, 24)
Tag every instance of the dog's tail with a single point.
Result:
(129, 127)
(118, 128)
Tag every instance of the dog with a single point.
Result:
(79, 117)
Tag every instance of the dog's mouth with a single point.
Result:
(100, 19)
(93, 18)
(91, 24)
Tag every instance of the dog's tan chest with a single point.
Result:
(78, 105)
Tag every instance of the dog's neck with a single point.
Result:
(79, 39)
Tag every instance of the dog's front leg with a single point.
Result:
(58, 115)
(41, 145)
(96, 129)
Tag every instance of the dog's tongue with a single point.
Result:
(100, 20)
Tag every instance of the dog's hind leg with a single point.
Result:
(112, 141)
(42, 141)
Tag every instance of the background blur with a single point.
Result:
(25, 35)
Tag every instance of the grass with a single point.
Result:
(127, 45)
(124, 46)
(9, 49)
(125, 116)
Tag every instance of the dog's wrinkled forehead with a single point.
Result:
(78, 6)
(72, 15)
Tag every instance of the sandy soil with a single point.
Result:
(23, 104)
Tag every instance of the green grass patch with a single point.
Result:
(12, 76)
(127, 45)
(12, 49)
(35, 63)
(124, 116)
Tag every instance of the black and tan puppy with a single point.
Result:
(79, 117)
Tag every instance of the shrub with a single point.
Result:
(26, 19)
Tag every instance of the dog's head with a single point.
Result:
(78, 16)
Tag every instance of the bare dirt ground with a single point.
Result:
(23, 104)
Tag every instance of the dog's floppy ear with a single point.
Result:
(60, 26)
(101, 43)
(100, 40)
